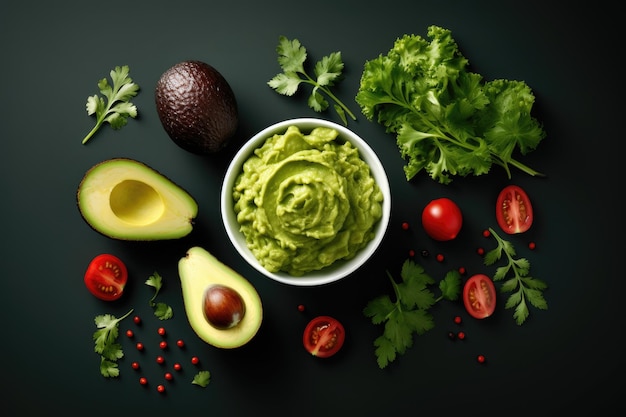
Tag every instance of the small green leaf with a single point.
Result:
(202, 378)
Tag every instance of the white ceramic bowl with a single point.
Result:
(339, 269)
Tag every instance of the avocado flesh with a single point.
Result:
(127, 200)
(199, 270)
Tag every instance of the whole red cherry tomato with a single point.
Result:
(323, 336)
(479, 296)
(514, 212)
(442, 219)
(106, 277)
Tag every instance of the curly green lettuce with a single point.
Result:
(447, 120)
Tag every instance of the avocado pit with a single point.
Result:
(223, 307)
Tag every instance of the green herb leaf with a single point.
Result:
(161, 310)
(409, 314)
(447, 120)
(522, 287)
(202, 378)
(117, 108)
(291, 58)
(105, 340)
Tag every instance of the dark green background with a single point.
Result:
(53, 54)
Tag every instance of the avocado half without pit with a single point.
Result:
(196, 107)
(125, 199)
(222, 307)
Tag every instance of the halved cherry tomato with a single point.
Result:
(106, 277)
(514, 212)
(323, 336)
(442, 219)
(479, 296)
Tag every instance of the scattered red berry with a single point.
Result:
(129, 333)
(139, 346)
(405, 226)
(532, 245)
(161, 331)
(440, 257)
(169, 376)
(461, 335)
(480, 251)
(163, 344)
(462, 270)
(135, 365)
(180, 343)
(195, 360)
(411, 253)
(300, 307)
(137, 320)
(457, 319)
(481, 359)
(486, 233)
(161, 388)
(143, 381)
(160, 359)
(177, 367)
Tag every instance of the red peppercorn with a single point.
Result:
(462, 270)
(143, 381)
(486, 233)
(480, 251)
(177, 367)
(481, 359)
(161, 331)
(163, 344)
(180, 343)
(129, 333)
(461, 335)
(300, 307)
(135, 365)
(457, 319)
(137, 320)
(139, 346)
(160, 359)
(411, 253)
(169, 376)
(440, 257)
(195, 360)
(161, 388)
(405, 226)
(532, 245)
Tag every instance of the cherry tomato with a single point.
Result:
(442, 219)
(514, 212)
(323, 336)
(106, 277)
(479, 296)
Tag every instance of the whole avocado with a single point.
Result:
(197, 107)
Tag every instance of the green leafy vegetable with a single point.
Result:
(202, 378)
(291, 58)
(106, 345)
(117, 107)
(409, 313)
(523, 287)
(161, 310)
(447, 120)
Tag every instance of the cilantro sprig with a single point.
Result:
(523, 288)
(291, 58)
(117, 108)
(409, 313)
(447, 120)
(161, 310)
(106, 345)
(202, 378)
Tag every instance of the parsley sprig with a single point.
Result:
(523, 287)
(328, 70)
(117, 108)
(161, 310)
(202, 378)
(409, 313)
(106, 345)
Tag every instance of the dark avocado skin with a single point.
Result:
(197, 107)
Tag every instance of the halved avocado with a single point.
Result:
(199, 271)
(125, 199)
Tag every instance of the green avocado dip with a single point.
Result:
(305, 201)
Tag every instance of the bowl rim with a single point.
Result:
(339, 269)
